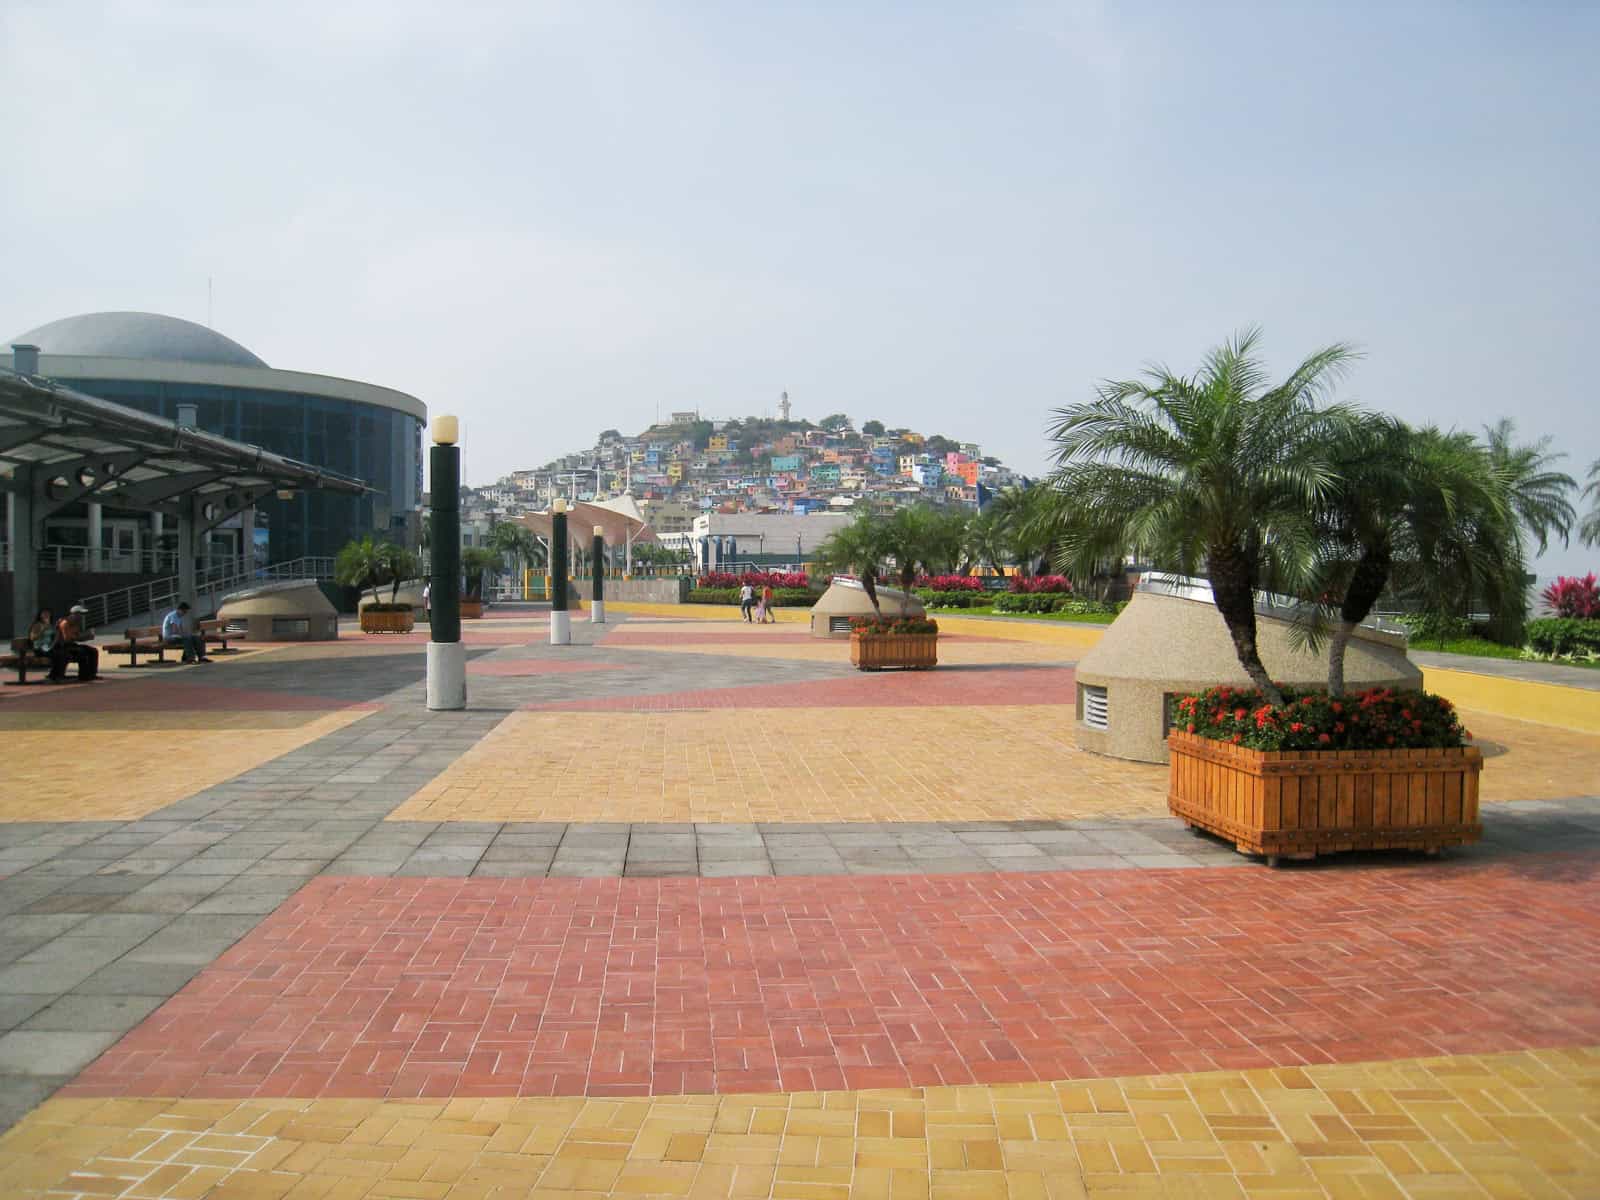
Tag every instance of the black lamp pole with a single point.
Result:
(447, 664)
(597, 601)
(560, 565)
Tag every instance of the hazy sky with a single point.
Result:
(551, 218)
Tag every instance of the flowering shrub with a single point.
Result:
(1570, 596)
(950, 583)
(1378, 719)
(1040, 583)
(756, 579)
(877, 626)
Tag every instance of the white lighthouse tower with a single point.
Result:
(783, 406)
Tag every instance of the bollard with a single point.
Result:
(597, 602)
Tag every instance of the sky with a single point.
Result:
(553, 218)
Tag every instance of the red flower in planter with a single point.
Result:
(1322, 737)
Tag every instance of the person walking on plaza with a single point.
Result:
(178, 630)
(71, 645)
(747, 600)
(767, 599)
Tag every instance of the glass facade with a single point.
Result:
(380, 446)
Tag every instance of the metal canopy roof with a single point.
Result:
(69, 446)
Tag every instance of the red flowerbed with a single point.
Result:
(774, 579)
(950, 583)
(874, 626)
(1574, 598)
(1040, 583)
(1378, 719)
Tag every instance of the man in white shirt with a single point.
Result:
(178, 630)
(747, 600)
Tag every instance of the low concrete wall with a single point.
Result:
(671, 589)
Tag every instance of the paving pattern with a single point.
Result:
(690, 908)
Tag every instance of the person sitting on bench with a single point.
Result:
(42, 633)
(71, 645)
(178, 629)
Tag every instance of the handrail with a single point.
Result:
(154, 595)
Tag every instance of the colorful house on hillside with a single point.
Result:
(786, 462)
(826, 474)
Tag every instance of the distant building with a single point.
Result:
(720, 540)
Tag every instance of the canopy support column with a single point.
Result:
(23, 534)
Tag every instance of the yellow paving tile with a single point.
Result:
(947, 1142)
(788, 764)
(119, 766)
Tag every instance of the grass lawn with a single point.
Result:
(1483, 648)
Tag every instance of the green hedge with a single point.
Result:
(1564, 635)
(783, 597)
(952, 599)
(1051, 602)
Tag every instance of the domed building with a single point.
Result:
(189, 373)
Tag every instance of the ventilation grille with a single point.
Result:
(1095, 708)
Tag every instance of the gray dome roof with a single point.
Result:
(137, 335)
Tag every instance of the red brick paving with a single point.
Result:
(479, 987)
(964, 685)
(537, 666)
(622, 637)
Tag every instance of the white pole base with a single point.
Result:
(597, 612)
(447, 676)
(561, 628)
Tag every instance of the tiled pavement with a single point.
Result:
(394, 896)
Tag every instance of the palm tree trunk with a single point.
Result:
(1367, 582)
(1338, 642)
(1235, 599)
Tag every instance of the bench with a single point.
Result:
(144, 641)
(216, 634)
(23, 656)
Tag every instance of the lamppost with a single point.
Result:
(597, 602)
(560, 618)
(447, 657)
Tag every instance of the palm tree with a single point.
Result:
(1538, 494)
(399, 564)
(363, 564)
(859, 549)
(1217, 471)
(1399, 513)
(475, 562)
(1589, 531)
(514, 540)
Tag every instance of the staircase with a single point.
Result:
(146, 603)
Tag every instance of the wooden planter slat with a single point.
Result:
(387, 622)
(1306, 802)
(911, 651)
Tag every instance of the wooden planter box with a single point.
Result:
(471, 609)
(1302, 803)
(386, 622)
(913, 651)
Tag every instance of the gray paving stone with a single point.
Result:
(77, 1013)
(35, 1052)
(18, 1007)
(733, 867)
(31, 978)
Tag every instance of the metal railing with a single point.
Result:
(106, 560)
(157, 595)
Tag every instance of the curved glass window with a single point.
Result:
(378, 445)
